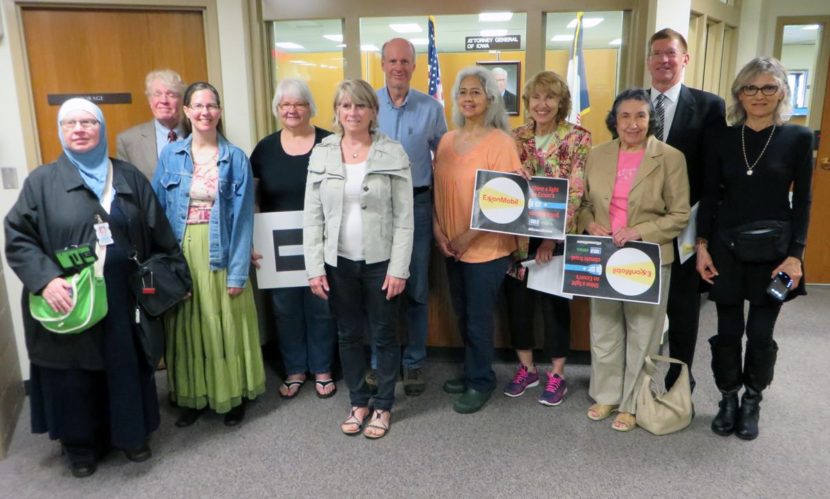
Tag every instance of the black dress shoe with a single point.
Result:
(188, 417)
(83, 469)
(236, 415)
(138, 454)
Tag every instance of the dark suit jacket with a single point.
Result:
(696, 112)
(137, 145)
(510, 104)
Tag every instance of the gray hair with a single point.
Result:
(296, 88)
(736, 114)
(499, 71)
(495, 116)
(168, 77)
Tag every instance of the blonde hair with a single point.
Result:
(360, 93)
(736, 114)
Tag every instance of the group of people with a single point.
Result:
(376, 194)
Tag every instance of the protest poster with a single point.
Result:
(596, 268)
(509, 204)
(278, 236)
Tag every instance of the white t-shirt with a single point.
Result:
(350, 240)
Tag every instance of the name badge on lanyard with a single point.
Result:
(102, 232)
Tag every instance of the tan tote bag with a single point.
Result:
(668, 412)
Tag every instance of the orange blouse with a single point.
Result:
(454, 179)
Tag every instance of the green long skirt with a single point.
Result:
(212, 346)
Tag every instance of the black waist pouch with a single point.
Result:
(758, 242)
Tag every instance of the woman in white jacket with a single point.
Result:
(357, 240)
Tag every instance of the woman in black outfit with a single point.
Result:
(96, 389)
(749, 170)
(305, 327)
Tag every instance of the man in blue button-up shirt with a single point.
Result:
(417, 121)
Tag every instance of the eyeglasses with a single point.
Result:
(205, 107)
(169, 95)
(85, 124)
(670, 54)
(284, 106)
(767, 90)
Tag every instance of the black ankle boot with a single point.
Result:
(747, 426)
(724, 423)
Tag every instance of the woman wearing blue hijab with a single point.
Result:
(95, 390)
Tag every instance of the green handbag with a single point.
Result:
(90, 293)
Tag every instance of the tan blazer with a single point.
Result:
(137, 145)
(658, 203)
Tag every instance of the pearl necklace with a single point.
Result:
(749, 167)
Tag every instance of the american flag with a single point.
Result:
(435, 89)
(578, 85)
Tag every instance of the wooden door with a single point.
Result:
(106, 51)
(817, 259)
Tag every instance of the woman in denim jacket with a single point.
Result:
(205, 185)
(357, 240)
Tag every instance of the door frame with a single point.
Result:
(820, 78)
(20, 61)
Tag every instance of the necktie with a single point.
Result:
(171, 136)
(661, 117)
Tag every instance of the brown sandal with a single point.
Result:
(378, 424)
(353, 424)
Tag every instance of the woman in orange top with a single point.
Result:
(476, 260)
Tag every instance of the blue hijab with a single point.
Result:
(94, 164)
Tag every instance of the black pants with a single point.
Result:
(684, 312)
(357, 298)
(556, 315)
(759, 325)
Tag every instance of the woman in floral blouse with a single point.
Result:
(548, 146)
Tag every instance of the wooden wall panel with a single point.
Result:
(106, 51)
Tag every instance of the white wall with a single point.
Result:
(11, 155)
(758, 23)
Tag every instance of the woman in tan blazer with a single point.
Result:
(636, 188)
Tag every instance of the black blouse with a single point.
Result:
(281, 176)
(731, 197)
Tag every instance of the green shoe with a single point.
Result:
(454, 386)
(471, 401)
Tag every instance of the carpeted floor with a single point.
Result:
(514, 447)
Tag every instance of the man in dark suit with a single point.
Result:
(142, 144)
(684, 115)
(509, 98)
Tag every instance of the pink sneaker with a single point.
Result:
(523, 380)
(555, 391)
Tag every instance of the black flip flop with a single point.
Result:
(288, 385)
(322, 383)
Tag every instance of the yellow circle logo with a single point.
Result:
(630, 272)
(501, 200)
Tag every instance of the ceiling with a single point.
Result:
(795, 34)
(450, 31)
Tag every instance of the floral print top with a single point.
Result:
(564, 158)
(203, 191)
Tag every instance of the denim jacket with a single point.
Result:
(231, 225)
(386, 201)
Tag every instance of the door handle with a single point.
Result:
(824, 163)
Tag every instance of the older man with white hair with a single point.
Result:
(142, 144)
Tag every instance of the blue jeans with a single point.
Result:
(417, 286)
(474, 288)
(357, 299)
(305, 329)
